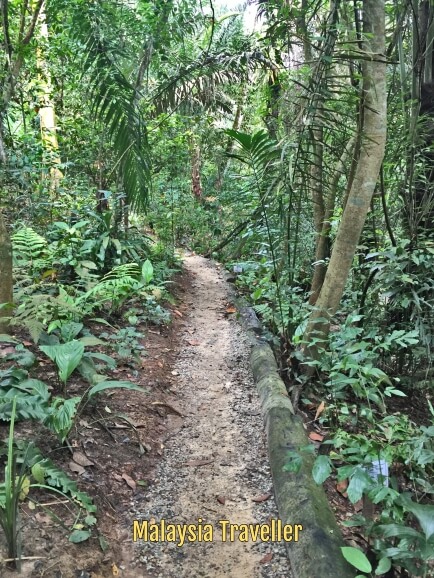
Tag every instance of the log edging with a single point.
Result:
(299, 499)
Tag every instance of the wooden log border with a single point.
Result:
(299, 499)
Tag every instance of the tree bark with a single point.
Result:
(6, 283)
(47, 115)
(365, 178)
(322, 251)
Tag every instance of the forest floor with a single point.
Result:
(205, 455)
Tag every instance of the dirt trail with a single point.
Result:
(214, 463)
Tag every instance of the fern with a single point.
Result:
(28, 245)
(54, 476)
(31, 253)
(36, 311)
(116, 286)
(31, 396)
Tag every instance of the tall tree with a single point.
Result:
(373, 140)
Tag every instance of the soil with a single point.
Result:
(196, 455)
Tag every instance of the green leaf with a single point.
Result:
(424, 514)
(114, 385)
(61, 417)
(70, 330)
(384, 565)
(103, 357)
(147, 271)
(88, 265)
(89, 340)
(356, 558)
(66, 356)
(321, 469)
(38, 473)
(78, 536)
(359, 481)
(7, 338)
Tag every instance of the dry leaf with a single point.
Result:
(231, 309)
(193, 342)
(76, 468)
(262, 498)
(7, 350)
(129, 480)
(315, 437)
(342, 487)
(174, 372)
(160, 364)
(81, 459)
(84, 423)
(267, 558)
(43, 518)
(169, 407)
(115, 570)
(221, 500)
(177, 313)
(197, 463)
(319, 410)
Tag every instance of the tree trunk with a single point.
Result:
(366, 175)
(322, 251)
(6, 284)
(47, 115)
(196, 184)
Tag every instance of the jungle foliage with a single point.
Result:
(129, 129)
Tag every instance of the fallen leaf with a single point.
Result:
(115, 570)
(160, 364)
(319, 410)
(267, 558)
(197, 463)
(221, 500)
(177, 313)
(231, 309)
(315, 437)
(342, 487)
(193, 342)
(8, 350)
(174, 372)
(81, 459)
(103, 543)
(129, 480)
(261, 498)
(358, 506)
(169, 407)
(43, 518)
(76, 468)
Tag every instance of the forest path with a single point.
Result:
(214, 465)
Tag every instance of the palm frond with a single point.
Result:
(113, 98)
(201, 78)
